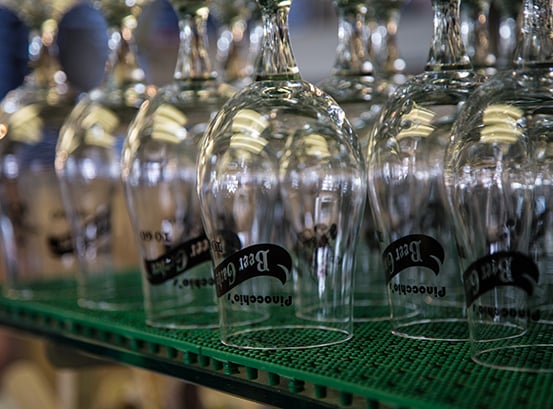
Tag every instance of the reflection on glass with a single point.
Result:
(501, 124)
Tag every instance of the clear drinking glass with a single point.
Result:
(239, 39)
(508, 31)
(36, 239)
(475, 29)
(384, 21)
(159, 173)
(361, 93)
(499, 183)
(282, 191)
(88, 156)
(405, 164)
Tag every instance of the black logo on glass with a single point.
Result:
(254, 261)
(416, 250)
(178, 260)
(500, 269)
(94, 228)
(60, 244)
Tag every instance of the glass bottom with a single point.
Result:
(121, 303)
(525, 348)
(286, 337)
(181, 317)
(454, 329)
(521, 358)
(40, 290)
(112, 292)
(371, 311)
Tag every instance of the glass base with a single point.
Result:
(288, 337)
(521, 358)
(40, 290)
(119, 304)
(453, 329)
(527, 348)
(371, 311)
(181, 317)
(112, 291)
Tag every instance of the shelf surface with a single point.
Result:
(374, 370)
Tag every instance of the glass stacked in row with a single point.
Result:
(252, 200)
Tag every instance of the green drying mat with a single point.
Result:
(373, 370)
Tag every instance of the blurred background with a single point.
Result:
(81, 39)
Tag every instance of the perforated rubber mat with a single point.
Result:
(373, 370)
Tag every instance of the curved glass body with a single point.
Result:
(361, 93)
(36, 238)
(88, 156)
(278, 173)
(406, 165)
(499, 184)
(159, 173)
(282, 190)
